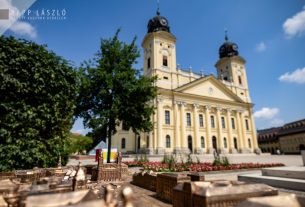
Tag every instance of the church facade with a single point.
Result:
(194, 113)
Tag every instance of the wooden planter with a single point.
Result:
(195, 176)
(147, 181)
(166, 183)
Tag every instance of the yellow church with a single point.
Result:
(194, 113)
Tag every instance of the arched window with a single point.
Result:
(249, 143)
(235, 143)
(247, 124)
(123, 143)
(139, 142)
(214, 142)
(223, 123)
(202, 142)
(239, 80)
(225, 142)
(165, 62)
(212, 122)
(200, 120)
(239, 74)
(190, 143)
(148, 63)
(168, 141)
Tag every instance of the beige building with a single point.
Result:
(268, 140)
(194, 113)
(289, 139)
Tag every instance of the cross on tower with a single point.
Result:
(226, 35)
(158, 10)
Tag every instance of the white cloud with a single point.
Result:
(276, 122)
(13, 24)
(261, 47)
(297, 76)
(295, 25)
(266, 113)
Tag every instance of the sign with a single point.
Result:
(113, 154)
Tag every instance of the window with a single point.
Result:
(239, 80)
(123, 143)
(235, 143)
(249, 143)
(188, 119)
(247, 124)
(223, 124)
(124, 126)
(212, 122)
(167, 117)
(225, 142)
(165, 77)
(147, 142)
(165, 60)
(168, 141)
(139, 142)
(202, 142)
(233, 123)
(148, 62)
(200, 120)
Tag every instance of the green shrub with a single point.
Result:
(189, 159)
(225, 161)
(221, 161)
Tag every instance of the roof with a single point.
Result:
(214, 80)
(273, 134)
(268, 135)
(293, 128)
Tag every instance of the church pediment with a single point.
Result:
(209, 87)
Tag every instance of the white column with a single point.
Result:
(254, 135)
(239, 130)
(208, 137)
(198, 149)
(244, 134)
(160, 144)
(150, 144)
(182, 130)
(177, 134)
(229, 127)
(220, 136)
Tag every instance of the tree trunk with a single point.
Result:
(109, 133)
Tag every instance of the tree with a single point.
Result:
(79, 143)
(113, 91)
(37, 98)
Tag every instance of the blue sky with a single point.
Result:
(270, 35)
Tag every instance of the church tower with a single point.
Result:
(231, 70)
(160, 51)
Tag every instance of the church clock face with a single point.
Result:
(234, 47)
(163, 22)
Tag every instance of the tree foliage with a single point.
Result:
(113, 91)
(37, 98)
(79, 144)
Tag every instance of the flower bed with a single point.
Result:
(198, 167)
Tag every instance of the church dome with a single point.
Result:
(228, 49)
(158, 23)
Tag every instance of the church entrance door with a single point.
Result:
(190, 143)
(214, 141)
